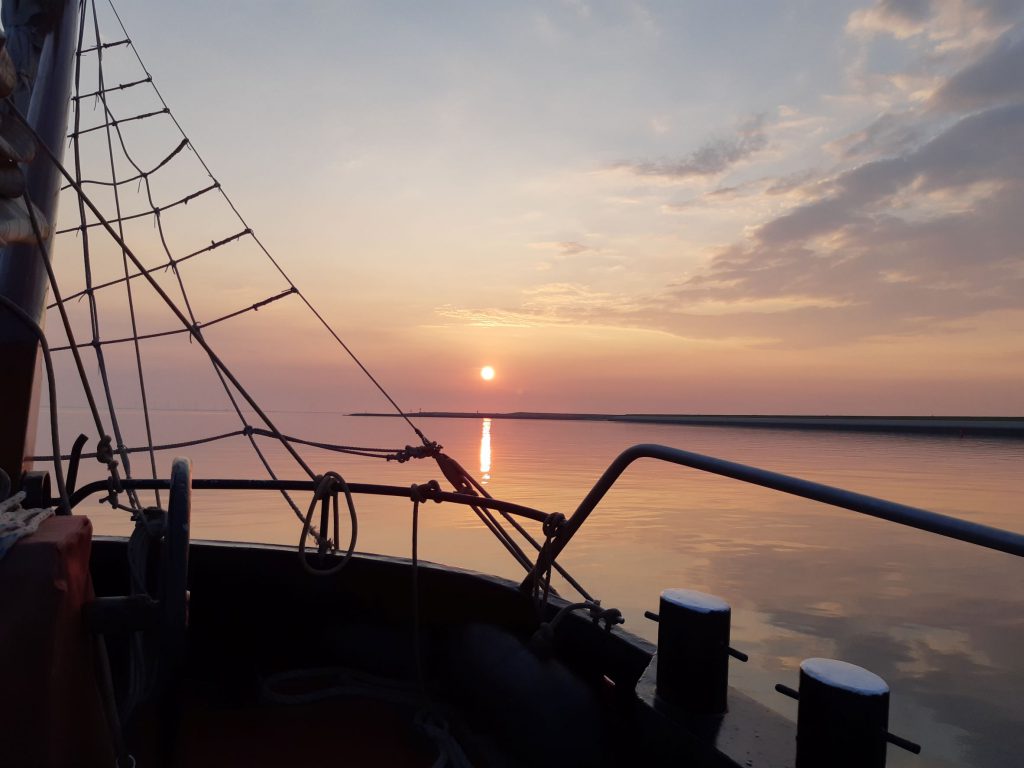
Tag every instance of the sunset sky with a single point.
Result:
(747, 207)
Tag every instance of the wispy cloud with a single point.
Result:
(893, 274)
(711, 158)
(892, 133)
(946, 24)
(900, 18)
(915, 230)
(562, 247)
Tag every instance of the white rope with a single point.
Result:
(17, 522)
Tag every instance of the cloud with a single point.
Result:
(893, 274)
(995, 78)
(550, 304)
(563, 247)
(1000, 11)
(891, 133)
(489, 318)
(578, 259)
(792, 182)
(581, 8)
(924, 233)
(981, 147)
(711, 158)
(916, 232)
(900, 18)
(939, 27)
(874, 256)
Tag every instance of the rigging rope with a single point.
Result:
(124, 258)
(193, 326)
(168, 301)
(136, 337)
(156, 210)
(400, 455)
(327, 326)
(328, 485)
(463, 482)
(122, 87)
(112, 123)
(115, 122)
(103, 452)
(93, 314)
(142, 273)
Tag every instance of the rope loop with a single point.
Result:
(328, 487)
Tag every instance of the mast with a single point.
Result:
(41, 40)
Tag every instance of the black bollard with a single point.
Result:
(843, 716)
(693, 651)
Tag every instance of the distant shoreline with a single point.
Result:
(958, 426)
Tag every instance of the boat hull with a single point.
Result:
(587, 698)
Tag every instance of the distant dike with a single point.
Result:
(956, 426)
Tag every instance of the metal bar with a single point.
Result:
(369, 489)
(23, 277)
(944, 525)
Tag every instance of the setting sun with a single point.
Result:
(487, 373)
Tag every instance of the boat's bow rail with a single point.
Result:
(686, 684)
(551, 523)
(944, 525)
(368, 489)
(559, 530)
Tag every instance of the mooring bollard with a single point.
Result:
(693, 651)
(843, 716)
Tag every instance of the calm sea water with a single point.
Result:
(941, 621)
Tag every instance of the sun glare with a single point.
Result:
(487, 373)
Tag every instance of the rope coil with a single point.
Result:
(328, 488)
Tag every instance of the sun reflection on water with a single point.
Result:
(485, 451)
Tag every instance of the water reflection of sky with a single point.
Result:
(942, 621)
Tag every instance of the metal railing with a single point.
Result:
(944, 525)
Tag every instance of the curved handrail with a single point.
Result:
(944, 525)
